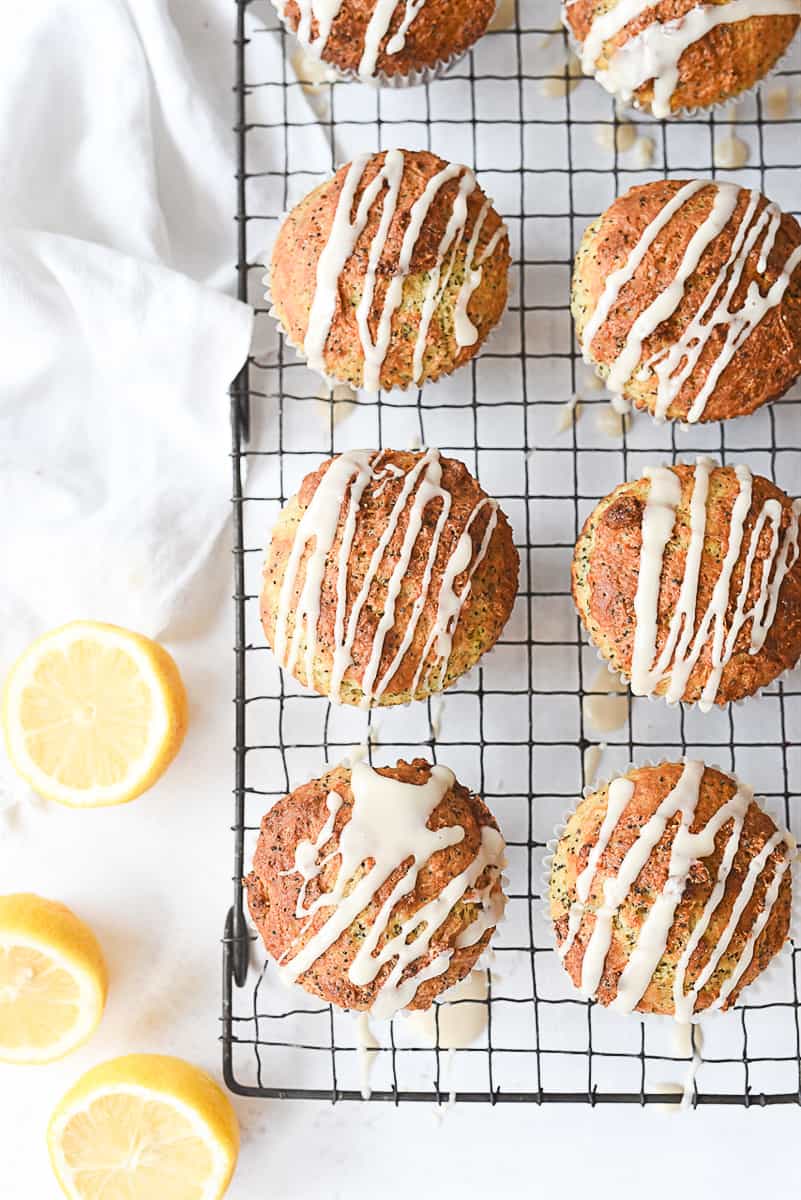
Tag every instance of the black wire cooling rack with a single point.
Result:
(516, 730)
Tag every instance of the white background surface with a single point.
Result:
(153, 879)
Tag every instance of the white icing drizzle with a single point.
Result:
(622, 275)
(306, 864)
(319, 523)
(324, 12)
(619, 794)
(655, 52)
(438, 281)
(686, 849)
(451, 603)
(771, 896)
(388, 825)
(685, 1001)
(696, 1062)
(668, 300)
(342, 241)
(464, 329)
(367, 1045)
(687, 636)
(422, 485)
(674, 364)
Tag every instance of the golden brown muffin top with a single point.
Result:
(720, 62)
(387, 576)
(723, 653)
(368, 286)
(635, 941)
(702, 362)
(440, 30)
(364, 838)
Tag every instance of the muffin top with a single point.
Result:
(392, 272)
(388, 576)
(670, 890)
(377, 889)
(680, 54)
(373, 37)
(689, 582)
(687, 297)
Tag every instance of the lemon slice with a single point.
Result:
(93, 714)
(144, 1127)
(52, 980)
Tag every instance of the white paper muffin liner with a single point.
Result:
(654, 698)
(754, 992)
(720, 107)
(624, 405)
(413, 78)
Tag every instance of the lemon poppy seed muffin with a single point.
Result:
(687, 298)
(376, 40)
(387, 577)
(670, 891)
(377, 889)
(688, 581)
(671, 55)
(391, 273)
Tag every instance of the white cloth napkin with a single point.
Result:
(116, 161)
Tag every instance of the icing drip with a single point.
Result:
(341, 244)
(694, 1047)
(459, 1017)
(675, 364)
(324, 12)
(367, 1046)
(605, 704)
(687, 636)
(686, 849)
(389, 826)
(655, 52)
(348, 476)
(731, 153)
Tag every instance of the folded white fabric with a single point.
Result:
(115, 227)
(113, 423)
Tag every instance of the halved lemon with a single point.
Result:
(144, 1127)
(52, 980)
(93, 714)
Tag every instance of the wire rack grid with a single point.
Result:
(549, 148)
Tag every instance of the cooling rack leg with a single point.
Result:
(236, 946)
